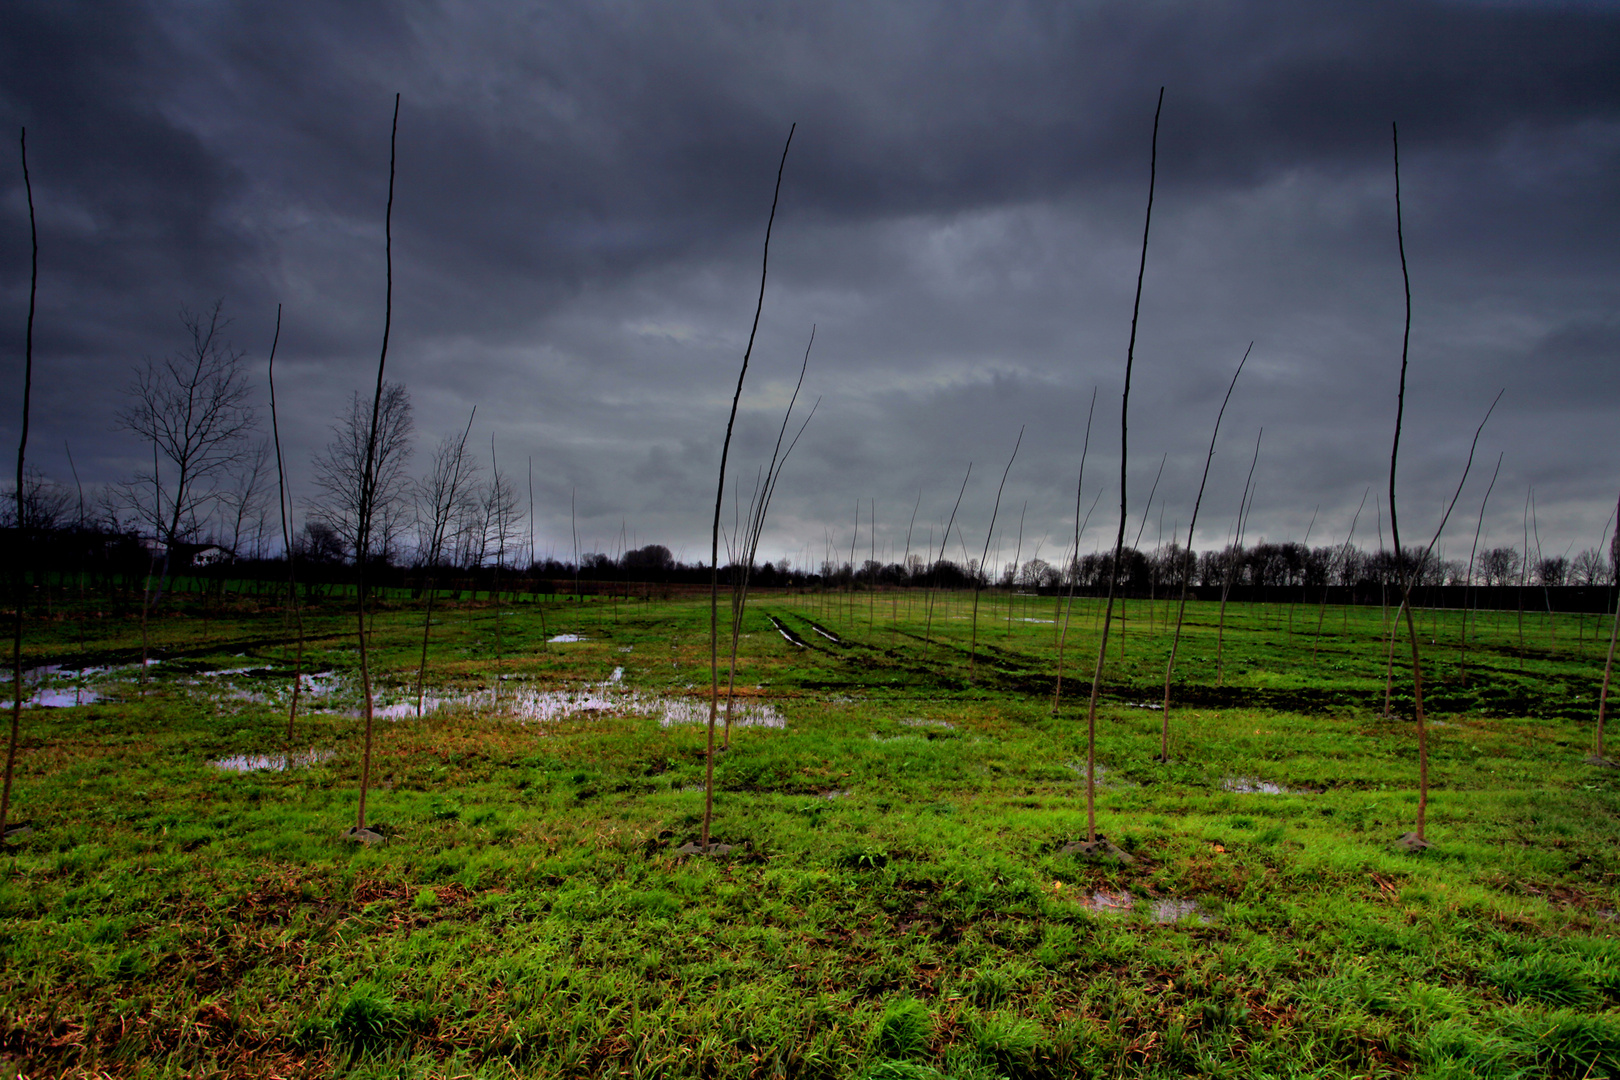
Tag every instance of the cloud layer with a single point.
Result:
(581, 200)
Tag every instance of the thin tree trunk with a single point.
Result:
(1344, 556)
(973, 639)
(22, 531)
(1018, 555)
(928, 622)
(286, 538)
(1187, 567)
(1119, 539)
(1468, 587)
(719, 498)
(1608, 668)
(363, 518)
(1232, 565)
(1061, 618)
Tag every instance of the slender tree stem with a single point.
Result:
(719, 498)
(22, 523)
(1187, 567)
(973, 642)
(367, 480)
(1119, 539)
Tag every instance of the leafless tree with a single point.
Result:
(195, 410)
(243, 499)
(440, 498)
(341, 475)
(43, 506)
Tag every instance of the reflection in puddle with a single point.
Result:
(1248, 785)
(565, 639)
(946, 724)
(57, 698)
(242, 763)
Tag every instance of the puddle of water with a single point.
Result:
(842, 793)
(1049, 622)
(825, 634)
(566, 639)
(54, 698)
(1144, 705)
(243, 763)
(1248, 785)
(1163, 911)
(744, 713)
(234, 671)
(929, 723)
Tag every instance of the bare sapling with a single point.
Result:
(284, 506)
(1339, 562)
(442, 493)
(1073, 567)
(1304, 573)
(978, 578)
(1136, 545)
(905, 564)
(7, 830)
(79, 571)
(1234, 559)
(928, 618)
(1598, 757)
(1186, 570)
(749, 547)
(1093, 843)
(1468, 582)
(1018, 554)
(719, 498)
(1416, 840)
(367, 498)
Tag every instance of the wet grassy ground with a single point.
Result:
(898, 904)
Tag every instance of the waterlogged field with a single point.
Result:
(897, 903)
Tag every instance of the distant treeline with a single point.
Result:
(1272, 573)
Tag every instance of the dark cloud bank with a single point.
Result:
(582, 192)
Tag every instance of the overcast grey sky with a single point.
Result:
(582, 194)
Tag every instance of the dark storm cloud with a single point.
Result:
(582, 193)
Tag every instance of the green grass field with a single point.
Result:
(897, 904)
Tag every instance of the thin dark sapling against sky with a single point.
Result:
(1136, 545)
(1608, 668)
(1073, 569)
(719, 499)
(1234, 561)
(1341, 561)
(978, 578)
(905, 564)
(1092, 843)
(283, 506)
(1018, 555)
(749, 546)
(368, 493)
(22, 446)
(1468, 582)
(1406, 577)
(442, 492)
(933, 577)
(1190, 561)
